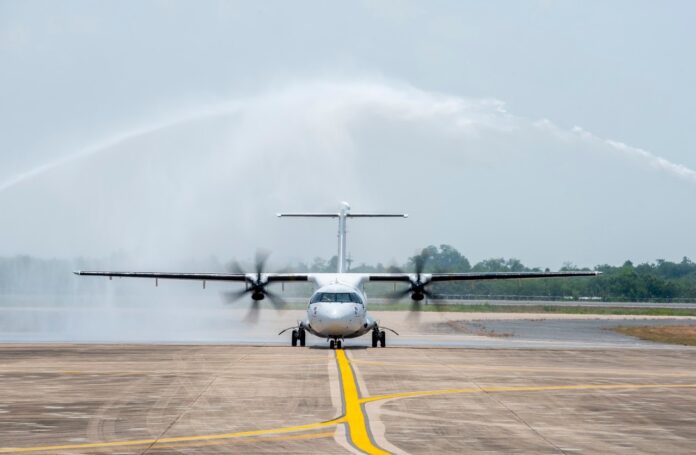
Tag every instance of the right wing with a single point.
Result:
(240, 277)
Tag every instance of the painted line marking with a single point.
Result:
(210, 437)
(571, 370)
(424, 393)
(355, 418)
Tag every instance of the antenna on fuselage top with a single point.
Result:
(342, 216)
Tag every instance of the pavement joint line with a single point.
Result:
(174, 421)
(519, 418)
(354, 414)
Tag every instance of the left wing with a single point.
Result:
(418, 282)
(427, 278)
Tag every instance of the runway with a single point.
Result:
(209, 322)
(188, 399)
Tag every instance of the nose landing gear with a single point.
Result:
(335, 344)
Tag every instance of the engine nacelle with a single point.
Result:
(417, 296)
(258, 296)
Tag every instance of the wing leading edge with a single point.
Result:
(440, 277)
(241, 277)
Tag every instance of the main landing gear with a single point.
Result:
(378, 336)
(298, 335)
(335, 344)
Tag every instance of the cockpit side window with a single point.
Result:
(355, 298)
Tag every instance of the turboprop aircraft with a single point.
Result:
(337, 308)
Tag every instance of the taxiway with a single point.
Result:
(137, 399)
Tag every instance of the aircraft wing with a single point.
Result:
(271, 277)
(474, 276)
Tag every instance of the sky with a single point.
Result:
(164, 131)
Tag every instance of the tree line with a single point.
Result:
(659, 280)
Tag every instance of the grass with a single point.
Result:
(672, 334)
(487, 308)
(512, 308)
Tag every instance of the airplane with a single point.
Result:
(337, 309)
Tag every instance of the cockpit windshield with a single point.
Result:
(342, 297)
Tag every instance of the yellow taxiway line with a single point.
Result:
(358, 432)
(142, 442)
(354, 416)
(391, 396)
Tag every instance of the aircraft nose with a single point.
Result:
(335, 319)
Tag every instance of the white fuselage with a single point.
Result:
(338, 310)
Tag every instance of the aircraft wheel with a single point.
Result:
(375, 338)
(294, 337)
(338, 344)
(382, 338)
(332, 344)
(302, 335)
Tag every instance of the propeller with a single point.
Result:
(255, 287)
(417, 287)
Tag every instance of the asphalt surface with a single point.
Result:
(200, 381)
(150, 399)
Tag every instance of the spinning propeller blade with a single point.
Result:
(255, 287)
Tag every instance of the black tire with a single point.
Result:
(382, 339)
(375, 338)
(338, 344)
(302, 336)
(332, 344)
(294, 337)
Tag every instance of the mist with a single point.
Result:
(207, 182)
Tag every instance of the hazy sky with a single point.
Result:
(550, 131)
